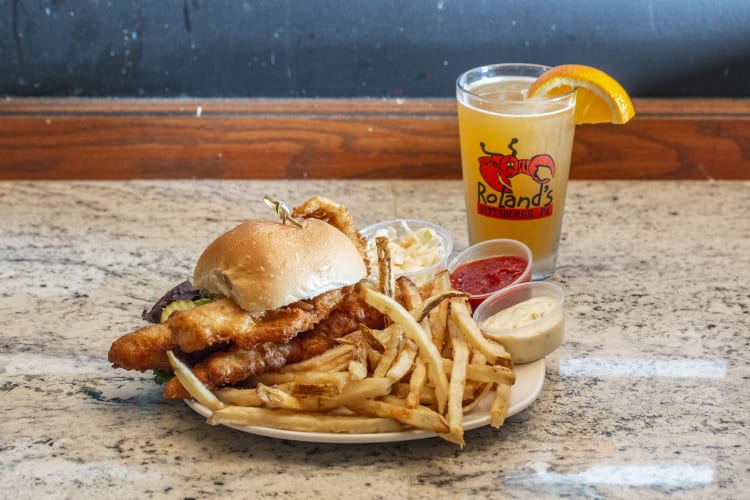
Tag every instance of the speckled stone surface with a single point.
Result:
(649, 395)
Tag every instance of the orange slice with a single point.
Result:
(599, 97)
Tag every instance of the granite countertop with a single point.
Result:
(648, 396)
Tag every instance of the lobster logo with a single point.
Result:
(497, 169)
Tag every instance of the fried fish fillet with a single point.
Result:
(143, 349)
(238, 364)
(223, 321)
(218, 322)
(233, 365)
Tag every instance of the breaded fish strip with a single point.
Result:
(234, 365)
(223, 321)
(237, 364)
(143, 349)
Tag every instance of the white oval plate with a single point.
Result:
(529, 382)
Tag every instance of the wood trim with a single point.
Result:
(340, 138)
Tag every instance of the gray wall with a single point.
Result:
(340, 48)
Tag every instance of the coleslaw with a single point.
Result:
(415, 246)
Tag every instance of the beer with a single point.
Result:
(515, 155)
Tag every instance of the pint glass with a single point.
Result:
(515, 155)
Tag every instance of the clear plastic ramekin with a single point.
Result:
(419, 275)
(494, 248)
(529, 331)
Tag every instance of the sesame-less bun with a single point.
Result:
(265, 265)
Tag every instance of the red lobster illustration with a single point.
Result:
(497, 169)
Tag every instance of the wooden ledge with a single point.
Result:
(340, 138)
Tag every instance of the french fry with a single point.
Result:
(335, 359)
(420, 417)
(438, 317)
(337, 379)
(413, 330)
(494, 352)
(358, 363)
(499, 405)
(277, 398)
(477, 358)
(457, 384)
(479, 396)
(300, 389)
(412, 299)
(435, 300)
(251, 397)
(409, 295)
(385, 269)
(404, 361)
(485, 373)
(392, 348)
(401, 390)
(371, 338)
(417, 383)
(239, 397)
(368, 388)
(195, 387)
(373, 356)
(302, 421)
(359, 389)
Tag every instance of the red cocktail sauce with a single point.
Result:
(483, 276)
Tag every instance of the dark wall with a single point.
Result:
(370, 48)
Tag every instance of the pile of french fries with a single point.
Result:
(428, 367)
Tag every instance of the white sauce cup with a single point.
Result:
(536, 338)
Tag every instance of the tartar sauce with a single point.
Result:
(528, 330)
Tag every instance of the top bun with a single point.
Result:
(266, 265)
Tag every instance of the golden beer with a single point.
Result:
(515, 155)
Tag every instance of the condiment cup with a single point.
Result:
(494, 248)
(420, 275)
(540, 333)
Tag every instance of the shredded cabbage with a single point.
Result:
(411, 250)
